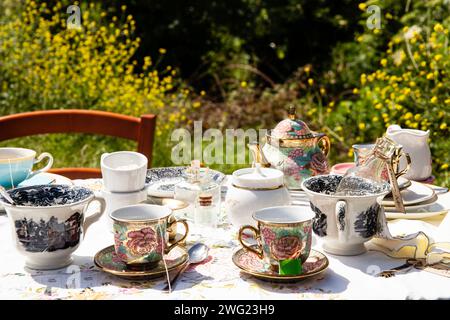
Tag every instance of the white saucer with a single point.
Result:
(428, 211)
(415, 194)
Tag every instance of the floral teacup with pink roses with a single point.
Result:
(283, 233)
(141, 233)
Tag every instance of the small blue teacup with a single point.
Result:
(16, 165)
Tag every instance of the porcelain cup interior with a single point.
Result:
(141, 213)
(124, 161)
(283, 215)
(283, 233)
(49, 221)
(124, 171)
(141, 233)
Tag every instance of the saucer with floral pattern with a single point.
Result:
(107, 261)
(251, 264)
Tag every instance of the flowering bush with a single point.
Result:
(411, 88)
(46, 65)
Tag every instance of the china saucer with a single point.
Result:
(162, 181)
(251, 264)
(107, 261)
(415, 194)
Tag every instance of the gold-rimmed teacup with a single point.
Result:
(141, 233)
(283, 233)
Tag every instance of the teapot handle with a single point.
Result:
(324, 144)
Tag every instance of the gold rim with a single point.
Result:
(13, 160)
(149, 221)
(259, 189)
(144, 273)
(281, 224)
(281, 277)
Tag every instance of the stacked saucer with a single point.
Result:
(420, 201)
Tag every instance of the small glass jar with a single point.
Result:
(206, 212)
(197, 181)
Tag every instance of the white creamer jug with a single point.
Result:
(414, 142)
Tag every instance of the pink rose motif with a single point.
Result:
(117, 241)
(281, 129)
(251, 261)
(142, 242)
(119, 257)
(319, 163)
(288, 247)
(268, 235)
(296, 153)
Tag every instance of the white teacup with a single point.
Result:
(124, 171)
(344, 223)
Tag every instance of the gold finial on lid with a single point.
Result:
(291, 112)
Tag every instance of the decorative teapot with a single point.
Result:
(414, 142)
(294, 149)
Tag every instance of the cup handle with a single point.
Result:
(342, 220)
(324, 144)
(186, 228)
(47, 166)
(396, 165)
(90, 219)
(259, 252)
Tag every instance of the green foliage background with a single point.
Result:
(239, 63)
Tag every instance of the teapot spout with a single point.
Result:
(257, 154)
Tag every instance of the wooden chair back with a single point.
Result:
(141, 130)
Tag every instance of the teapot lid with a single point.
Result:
(291, 128)
(258, 178)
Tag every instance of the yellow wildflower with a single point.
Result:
(311, 81)
(362, 6)
(361, 125)
(443, 126)
(434, 100)
(438, 57)
(162, 51)
(383, 62)
(243, 84)
(438, 27)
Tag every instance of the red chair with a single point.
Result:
(141, 130)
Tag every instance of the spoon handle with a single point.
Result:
(174, 279)
(5, 195)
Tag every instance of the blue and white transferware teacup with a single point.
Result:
(49, 221)
(345, 222)
(16, 165)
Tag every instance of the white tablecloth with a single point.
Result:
(217, 278)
